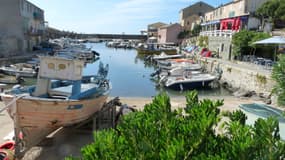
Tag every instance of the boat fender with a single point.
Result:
(17, 86)
(181, 87)
(8, 145)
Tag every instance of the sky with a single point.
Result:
(112, 16)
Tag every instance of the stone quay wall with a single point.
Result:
(240, 76)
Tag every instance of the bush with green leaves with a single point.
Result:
(273, 9)
(278, 74)
(158, 132)
(203, 41)
(183, 34)
(243, 41)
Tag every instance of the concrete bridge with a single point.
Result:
(115, 36)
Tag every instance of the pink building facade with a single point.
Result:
(169, 33)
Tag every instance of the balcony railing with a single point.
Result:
(218, 33)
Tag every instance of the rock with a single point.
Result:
(243, 93)
(268, 101)
(228, 87)
(261, 95)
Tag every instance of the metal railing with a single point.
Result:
(218, 33)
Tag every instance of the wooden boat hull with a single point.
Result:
(36, 118)
(157, 52)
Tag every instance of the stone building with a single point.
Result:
(224, 21)
(21, 26)
(190, 15)
(168, 33)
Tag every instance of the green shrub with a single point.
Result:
(203, 41)
(158, 132)
(243, 41)
(278, 74)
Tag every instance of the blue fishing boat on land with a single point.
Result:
(61, 97)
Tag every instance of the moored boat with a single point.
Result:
(149, 51)
(168, 65)
(189, 81)
(163, 56)
(61, 97)
(11, 79)
(19, 71)
(156, 48)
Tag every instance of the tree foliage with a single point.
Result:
(273, 9)
(203, 41)
(196, 30)
(243, 41)
(278, 74)
(158, 132)
(183, 34)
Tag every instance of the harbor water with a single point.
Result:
(130, 76)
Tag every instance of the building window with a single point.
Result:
(29, 7)
(232, 14)
(230, 25)
(188, 22)
(200, 14)
(22, 5)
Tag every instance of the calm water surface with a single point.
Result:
(130, 77)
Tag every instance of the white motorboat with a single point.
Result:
(189, 81)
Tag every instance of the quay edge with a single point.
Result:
(241, 76)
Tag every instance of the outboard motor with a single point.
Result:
(155, 73)
(95, 53)
(20, 79)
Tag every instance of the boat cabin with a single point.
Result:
(61, 78)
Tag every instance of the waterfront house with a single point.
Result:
(192, 13)
(168, 33)
(21, 26)
(152, 31)
(221, 23)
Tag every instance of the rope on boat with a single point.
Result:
(11, 102)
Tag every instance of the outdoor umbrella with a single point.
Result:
(275, 40)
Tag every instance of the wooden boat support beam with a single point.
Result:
(107, 117)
